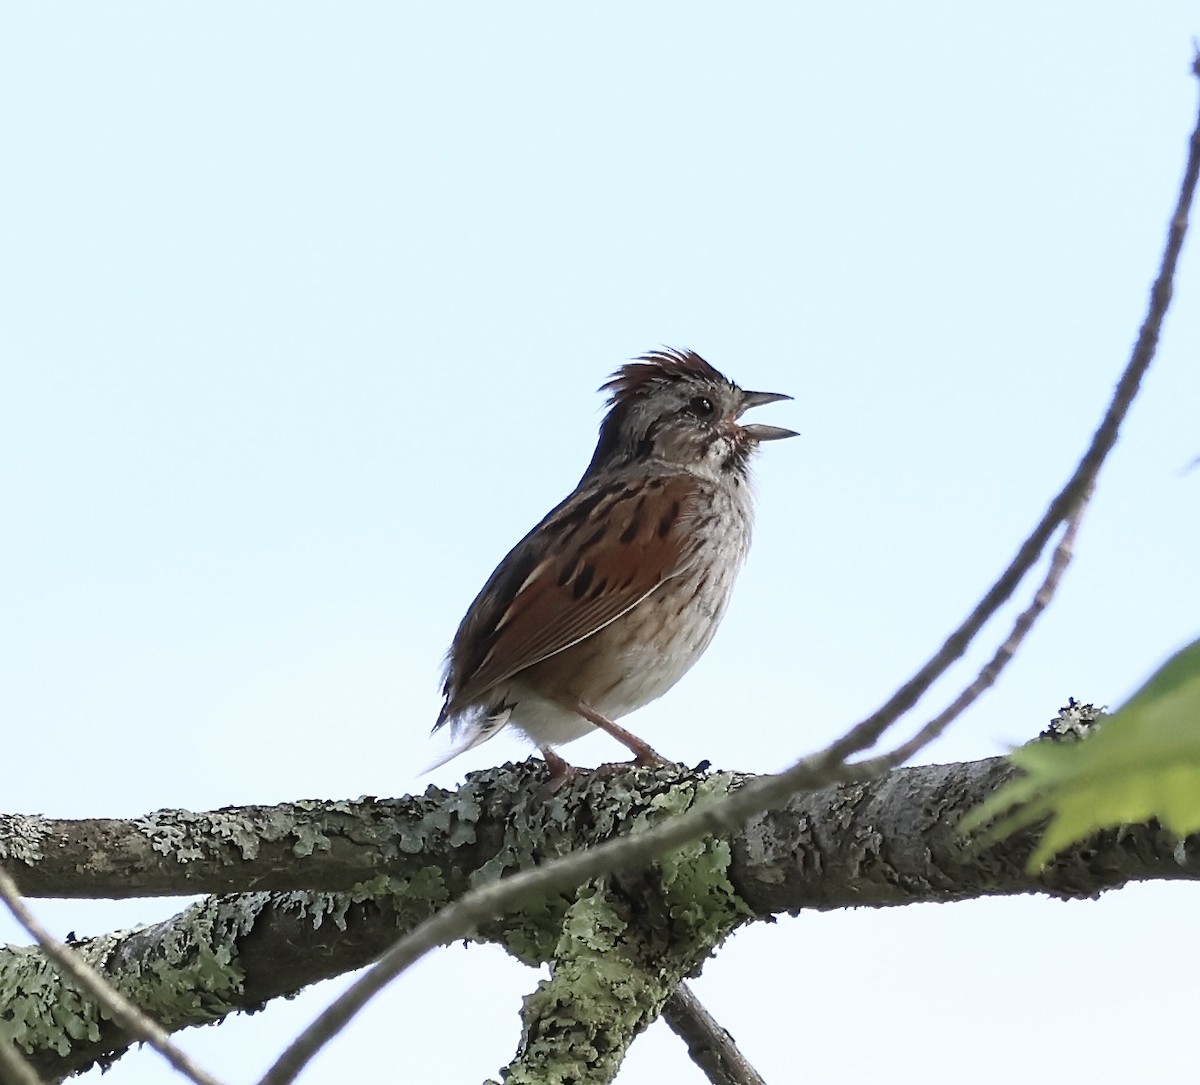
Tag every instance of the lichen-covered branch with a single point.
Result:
(878, 843)
(75, 970)
(627, 941)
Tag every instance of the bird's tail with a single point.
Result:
(469, 732)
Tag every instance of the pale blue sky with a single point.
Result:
(302, 314)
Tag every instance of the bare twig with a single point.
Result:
(1004, 654)
(84, 976)
(491, 901)
(869, 731)
(709, 1045)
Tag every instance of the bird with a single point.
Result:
(610, 599)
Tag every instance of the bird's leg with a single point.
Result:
(561, 772)
(643, 753)
(558, 767)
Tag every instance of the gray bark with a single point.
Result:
(313, 890)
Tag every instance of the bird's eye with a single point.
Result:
(702, 407)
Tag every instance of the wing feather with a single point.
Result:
(592, 559)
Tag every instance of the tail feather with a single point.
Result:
(468, 734)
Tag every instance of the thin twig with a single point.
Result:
(491, 901)
(869, 731)
(709, 1045)
(87, 979)
(1004, 654)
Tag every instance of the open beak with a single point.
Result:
(760, 432)
(768, 433)
(761, 399)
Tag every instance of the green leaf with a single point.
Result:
(1143, 762)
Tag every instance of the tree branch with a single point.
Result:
(709, 1045)
(878, 843)
(74, 967)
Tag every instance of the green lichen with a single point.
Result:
(447, 815)
(532, 935)
(414, 899)
(40, 1009)
(186, 973)
(21, 837)
(246, 836)
(168, 835)
(695, 879)
(310, 838)
(187, 837)
(420, 896)
(595, 993)
(627, 940)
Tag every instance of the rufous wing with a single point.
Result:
(597, 555)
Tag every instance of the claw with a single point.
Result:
(562, 772)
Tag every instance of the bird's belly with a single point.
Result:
(627, 664)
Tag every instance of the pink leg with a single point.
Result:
(643, 753)
(561, 772)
